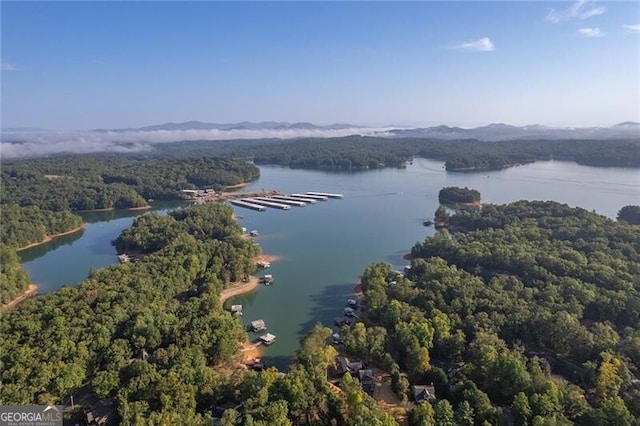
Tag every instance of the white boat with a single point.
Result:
(349, 312)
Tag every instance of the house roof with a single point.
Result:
(424, 393)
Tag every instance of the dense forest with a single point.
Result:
(527, 313)
(166, 305)
(153, 335)
(22, 226)
(88, 182)
(13, 279)
(363, 152)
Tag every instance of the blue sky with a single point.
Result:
(83, 65)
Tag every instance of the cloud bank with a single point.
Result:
(481, 45)
(29, 144)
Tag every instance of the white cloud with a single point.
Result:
(590, 32)
(6, 66)
(482, 45)
(24, 144)
(633, 28)
(581, 9)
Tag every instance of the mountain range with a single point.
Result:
(491, 132)
(283, 129)
(243, 125)
(499, 131)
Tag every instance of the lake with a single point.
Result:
(324, 247)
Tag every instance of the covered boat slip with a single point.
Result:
(283, 202)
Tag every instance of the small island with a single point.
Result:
(457, 195)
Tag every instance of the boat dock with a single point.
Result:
(282, 201)
(267, 338)
(261, 200)
(292, 198)
(315, 197)
(266, 203)
(257, 325)
(248, 205)
(325, 194)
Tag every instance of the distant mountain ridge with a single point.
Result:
(501, 131)
(284, 129)
(242, 125)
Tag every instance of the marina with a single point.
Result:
(266, 203)
(248, 205)
(274, 199)
(314, 197)
(292, 198)
(282, 201)
(325, 194)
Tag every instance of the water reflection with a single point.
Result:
(42, 249)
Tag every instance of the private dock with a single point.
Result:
(266, 203)
(292, 198)
(257, 325)
(248, 205)
(268, 338)
(325, 194)
(282, 201)
(315, 197)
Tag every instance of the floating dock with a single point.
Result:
(325, 194)
(292, 198)
(267, 338)
(315, 197)
(266, 203)
(247, 205)
(280, 201)
(257, 325)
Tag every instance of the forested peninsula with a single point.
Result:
(37, 195)
(106, 181)
(528, 313)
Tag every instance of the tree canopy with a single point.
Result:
(454, 195)
(630, 214)
(508, 296)
(88, 182)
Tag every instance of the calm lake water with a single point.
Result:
(324, 247)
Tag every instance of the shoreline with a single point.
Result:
(238, 289)
(250, 350)
(238, 185)
(31, 291)
(147, 207)
(50, 238)
(110, 209)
